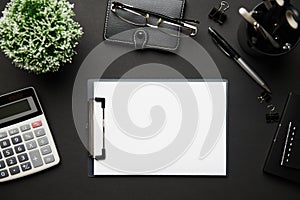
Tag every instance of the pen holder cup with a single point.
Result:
(254, 43)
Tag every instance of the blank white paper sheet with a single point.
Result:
(164, 127)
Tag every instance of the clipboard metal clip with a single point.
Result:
(91, 128)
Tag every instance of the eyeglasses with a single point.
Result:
(145, 18)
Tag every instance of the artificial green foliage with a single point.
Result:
(39, 35)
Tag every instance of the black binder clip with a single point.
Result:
(272, 116)
(218, 14)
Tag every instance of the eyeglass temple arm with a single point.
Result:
(192, 27)
(189, 20)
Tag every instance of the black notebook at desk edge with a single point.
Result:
(284, 155)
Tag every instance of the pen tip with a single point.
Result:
(267, 89)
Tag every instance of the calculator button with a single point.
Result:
(3, 174)
(2, 164)
(23, 157)
(43, 141)
(0, 155)
(49, 159)
(13, 131)
(3, 135)
(39, 132)
(46, 150)
(8, 152)
(31, 145)
(25, 128)
(14, 170)
(11, 161)
(16, 140)
(4, 144)
(36, 124)
(26, 166)
(36, 159)
(20, 148)
(28, 136)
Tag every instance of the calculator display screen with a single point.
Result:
(17, 109)
(14, 108)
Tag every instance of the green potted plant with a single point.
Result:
(39, 35)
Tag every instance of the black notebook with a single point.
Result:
(118, 30)
(284, 156)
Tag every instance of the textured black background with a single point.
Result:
(249, 137)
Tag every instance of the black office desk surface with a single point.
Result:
(249, 137)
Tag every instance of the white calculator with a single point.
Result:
(26, 143)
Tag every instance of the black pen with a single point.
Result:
(229, 51)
